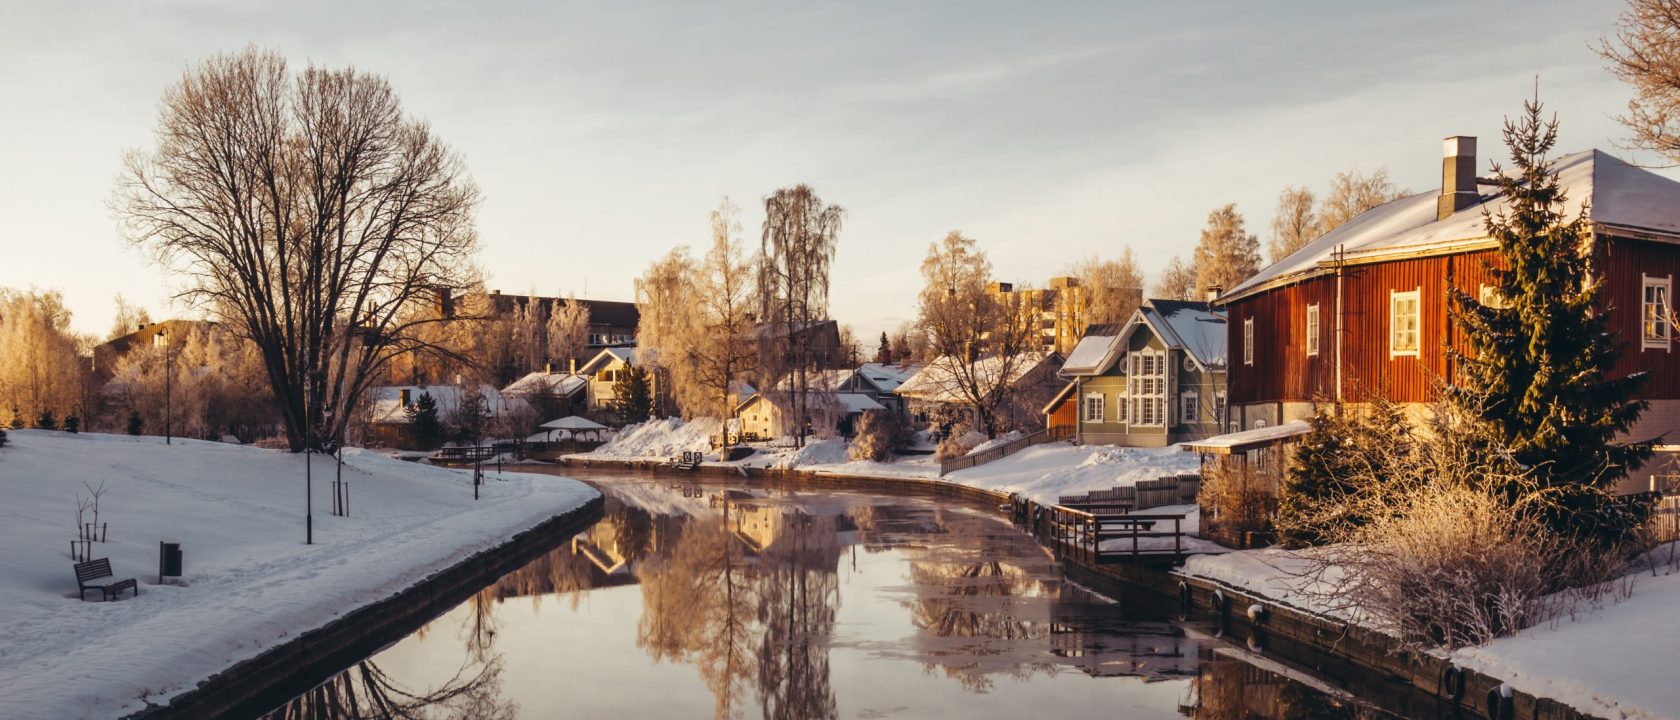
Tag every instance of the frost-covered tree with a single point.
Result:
(1295, 224)
(568, 332)
(308, 212)
(40, 367)
(669, 327)
(1227, 253)
(1110, 289)
(1646, 56)
(1538, 364)
(1177, 281)
(129, 318)
(801, 236)
(208, 381)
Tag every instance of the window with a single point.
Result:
(1094, 408)
(1312, 329)
(1219, 407)
(1655, 320)
(1404, 322)
(1120, 403)
(1189, 408)
(1147, 385)
(1248, 341)
(1488, 296)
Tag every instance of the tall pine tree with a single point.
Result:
(424, 426)
(634, 395)
(1538, 361)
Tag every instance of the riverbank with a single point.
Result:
(250, 582)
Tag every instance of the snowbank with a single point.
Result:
(250, 583)
(1275, 573)
(1043, 472)
(1615, 662)
(1007, 437)
(660, 439)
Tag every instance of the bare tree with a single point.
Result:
(1227, 254)
(983, 341)
(723, 351)
(1111, 289)
(568, 331)
(309, 213)
(1295, 224)
(1177, 281)
(129, 318)
(801, 234)
(1647, 56)
(1352, 193)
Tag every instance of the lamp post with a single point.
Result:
(481, 405)
(308, 477)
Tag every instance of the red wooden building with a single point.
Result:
(1363, 311)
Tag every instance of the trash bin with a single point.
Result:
(169, 560)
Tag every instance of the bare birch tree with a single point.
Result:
(1111, 289)
(1646, 56)
(1352, 193)
(983, 341)
(568, 331)
(666, 297)
(307, 212)
(1294, 225)
(129, 318)
(723, 351)
(1177, 281)
(801, 234)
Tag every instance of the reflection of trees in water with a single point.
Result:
(750, 600)
(366, 692)
(560, 572)
(1234, 690)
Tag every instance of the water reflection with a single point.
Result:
(783, 605)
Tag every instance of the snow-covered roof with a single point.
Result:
(606, 357)
(1248, 439)
(573, 422)
(852, 402)
(385, 401)
(1189, 326)
(885, 378)
(937, 381)
(1617, 194)
(1095, 351)
(561, 384)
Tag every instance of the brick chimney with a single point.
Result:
(1458, 176)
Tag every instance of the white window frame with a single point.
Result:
(1120, 403)
(1248, 341)
(1219, 408)
(1312, 330)
(1488, 296)
(1146, 386)
(1394, 300)
(1656, 331)
(1088, 405)
(1189, 407)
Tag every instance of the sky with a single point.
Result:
(604, 134)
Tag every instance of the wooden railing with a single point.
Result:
(1080, 535)
(1001, 451)
(1168, 490)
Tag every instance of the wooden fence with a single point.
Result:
(1001, 451)
(1168, 490)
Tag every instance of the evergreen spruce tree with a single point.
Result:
(883, 352)
(424, 426)
(135, 424)
(72, 424)
(2, 437)
(1341, 445)
(1537, 363)
(634, 395)
(46, 421)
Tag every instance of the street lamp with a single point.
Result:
(481, 406)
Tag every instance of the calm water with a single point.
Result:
(696, 601)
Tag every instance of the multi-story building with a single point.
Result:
(1058, 311)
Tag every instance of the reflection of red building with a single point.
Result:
(1363, 311)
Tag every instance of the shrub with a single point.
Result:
(880, 434)
(135, 423)
(1345, 444)
(958, 443)
(2, 437)
(72, 424)
(47, 421)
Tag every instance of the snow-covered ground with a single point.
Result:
(659, 439)
(1614, 661)
(250, 581)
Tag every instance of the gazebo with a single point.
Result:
(573, 426)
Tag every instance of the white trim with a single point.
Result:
(1220, 409)
(1394, 299)
(1248, 341)
(1085, 407)
(1488, 296)
(1312, 330)
(1656, 312)
(1189, 407)
(1146, 386)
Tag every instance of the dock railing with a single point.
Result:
(1001, 451)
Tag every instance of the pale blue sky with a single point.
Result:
(602, 134)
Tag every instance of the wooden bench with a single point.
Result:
(90, 573)
(690, 460)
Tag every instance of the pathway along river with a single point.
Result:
(735, 601)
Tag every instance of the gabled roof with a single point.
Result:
(1190, 326)
(385, 401)
(1095, 352)
(1618, 195)
(561, 384)
(852, 402)
(885, 378)
(606, 357)
(1061, 395)
(937, 381)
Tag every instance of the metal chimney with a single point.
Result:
(1458, 176)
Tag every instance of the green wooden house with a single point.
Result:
(1155, 380)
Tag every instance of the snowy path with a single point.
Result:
(250, 581)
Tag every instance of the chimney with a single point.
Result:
(1458, 176)
(573, 364)
(1213, 292)
(548, 368)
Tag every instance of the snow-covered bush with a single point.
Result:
(958, 443)
(880, 434)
